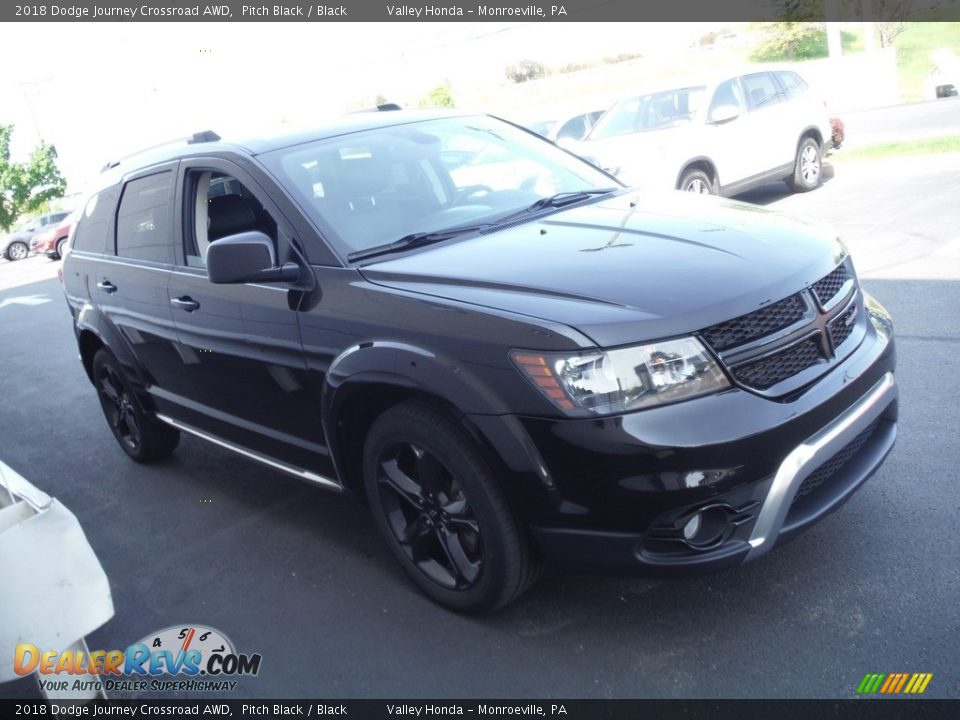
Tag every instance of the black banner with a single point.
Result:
(471, 11)
(860, 709)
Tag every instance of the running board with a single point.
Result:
(271, 462)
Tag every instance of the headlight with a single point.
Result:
(603, 382)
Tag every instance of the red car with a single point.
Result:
(53, 241)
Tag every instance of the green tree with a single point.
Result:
(27, 187)
(440, 96)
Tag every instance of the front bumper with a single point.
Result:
(614, 494)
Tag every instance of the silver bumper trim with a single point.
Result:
(811, 454)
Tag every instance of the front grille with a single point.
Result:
(842, 326)
(775, 368)
(830, 285)
(834, 464)
(755, 324)
(761, 349)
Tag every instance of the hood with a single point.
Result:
(628, 268)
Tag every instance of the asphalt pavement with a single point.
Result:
(300, 576)
(902, 122)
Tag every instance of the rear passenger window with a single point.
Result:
(93, 225)
(792, 83)
(761, 90)
(143, 220)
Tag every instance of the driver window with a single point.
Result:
(220, 206)
(727, 93)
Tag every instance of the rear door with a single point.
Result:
(129, 285)
(240, 343)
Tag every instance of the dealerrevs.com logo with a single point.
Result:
(201, 658)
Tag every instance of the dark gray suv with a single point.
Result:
(507, 354)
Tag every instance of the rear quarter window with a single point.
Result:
(93, 226)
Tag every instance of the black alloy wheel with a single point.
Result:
(429, 516)
(142, 437)
(441, 511)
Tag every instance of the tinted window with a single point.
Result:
(761, 90)
(94, 222)
(143, 220)
(792, 83)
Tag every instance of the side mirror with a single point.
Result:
(32, 228)
(247, 257)
(724, 113)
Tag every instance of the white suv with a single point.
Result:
(721, 137)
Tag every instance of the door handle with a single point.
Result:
(107, 286)
(186, 303)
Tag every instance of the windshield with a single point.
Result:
(649, 112)
(373, 187)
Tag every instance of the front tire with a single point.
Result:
(808, 167)
(699, 182)
(17, 251)
(60, 247)
(444, 518)
(142, 437)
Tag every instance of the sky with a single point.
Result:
(99, 91)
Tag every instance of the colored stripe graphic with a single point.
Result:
(894, 683)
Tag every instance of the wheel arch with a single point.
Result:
(701, 162)
(366, 380)
(811, 132)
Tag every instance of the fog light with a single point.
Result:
(692, 527)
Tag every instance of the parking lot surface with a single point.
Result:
(301, 577)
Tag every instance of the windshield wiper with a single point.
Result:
(568, 198)
(413, 240)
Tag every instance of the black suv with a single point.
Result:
(509, 355)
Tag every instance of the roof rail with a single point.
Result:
(198, 137)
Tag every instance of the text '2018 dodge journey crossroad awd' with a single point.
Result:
(509, 355)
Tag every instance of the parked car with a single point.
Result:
(16, 246)
(944, 80)
(54, 590)
(566, 127)
(614, 381)
(722, 136)
(53, 242)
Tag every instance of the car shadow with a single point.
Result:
(772, 192)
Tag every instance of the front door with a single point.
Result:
(240, 343)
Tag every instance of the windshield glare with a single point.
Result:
(369, 188)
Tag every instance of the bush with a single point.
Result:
(526, 70)
(837, 134)
(795, 41)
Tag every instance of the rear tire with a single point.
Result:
(60, 246)
(441, 512)
(807, 168)
(143, 438)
